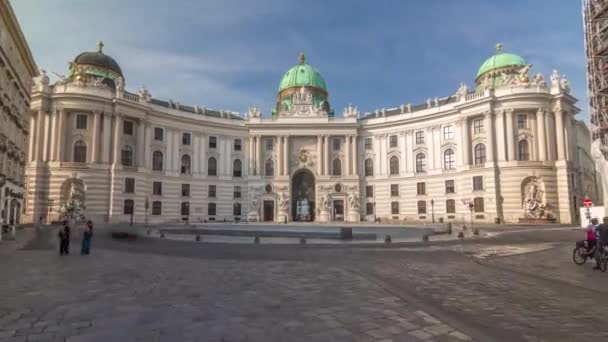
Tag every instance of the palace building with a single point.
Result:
(17, 68)
(509, 150)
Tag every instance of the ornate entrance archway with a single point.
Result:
(303, 196)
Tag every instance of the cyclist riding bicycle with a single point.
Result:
(591, 234)
(601, 232)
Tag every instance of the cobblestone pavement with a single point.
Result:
(158, 290)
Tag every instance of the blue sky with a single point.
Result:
(229, 54)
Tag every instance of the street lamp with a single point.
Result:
(433, 210)
(146, 206)
(471, 207)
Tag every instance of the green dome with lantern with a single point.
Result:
(302, 75)
(495, 66)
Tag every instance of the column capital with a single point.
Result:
(488, 112)
(541, 111)
(508, 111)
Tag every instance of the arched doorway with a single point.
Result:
(303, 196)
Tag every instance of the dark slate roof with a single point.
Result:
(190, 109)
(98, 59)
(397, 111)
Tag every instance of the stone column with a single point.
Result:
(32, 141)
(489, 136)
(500, 136)
(409, 151)
(141, 141)
(95, 140)
(117, 139)
(541, 134)
(286, 155)
(327, 155)
(47, 137)
(251, 154)
(347, 152)
(355, 157)
(177, 138)
(279, 153)
(147, 149)
(228, 151)
(430, 142)
(437, 146)
(559, 133)
(196, 158)
(403, 156)
(569, 141)
(319, 154)
(260, 157)
(377, 159)
(40, 135)
(204, 143)
(466, 143)
(510, 135)
(107, 124)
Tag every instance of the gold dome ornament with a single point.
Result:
(302, 58)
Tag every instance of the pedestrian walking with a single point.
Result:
(85, 248)
(602, 240)
(64, 239)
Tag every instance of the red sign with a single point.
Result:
(587, 202)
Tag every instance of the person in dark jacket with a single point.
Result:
(601, 232)
(64, 239)
(86, 239)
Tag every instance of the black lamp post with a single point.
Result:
(433, 210)
(471, 207)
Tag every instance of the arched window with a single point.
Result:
(186, 164)
(336, 167)
(126, 156)
(269, 168)
(420, 162)
(369, 167)
(523, 149)
(449, 159)
(157, 161)
(237, 167)
(394, 165)
(212, 167)
(480, 154)
(80, 152)
(128, 207)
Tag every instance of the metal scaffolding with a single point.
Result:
(595, 21)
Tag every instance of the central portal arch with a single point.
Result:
(303, 196)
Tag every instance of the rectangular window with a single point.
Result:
(128, 207)
(212, 193)
(449, 186)
(185, 209)
(394, 190)
(450, 206)
(369, 208)
(127, 127)
(158, 134)
(157, 188)
(186, 139)
(477, 183)
(336, 144)
(236, 209)
(129, 185)
(420, 137)
(369, 143)
(211, 209)
(269, 144)
(185, 190)
(393, 141)
(157, 208)
(395, 208)
(478, 201)
(448, 132)
(522, 121)
(237, 191)
(478, 126)
(421, 188)
(81, 121)
(212, 142)
(369, 191)
(421, 207)
(237, 144)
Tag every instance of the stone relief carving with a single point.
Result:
(302, 104)
(353, 200)
(538, 80)
(534, 199)
(324, 201)
(283, 200)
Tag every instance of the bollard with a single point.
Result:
(302, 241)
(476, 231)
(256, 240)
(425, 238)
(388, 239)
(449, 230)
(198, 237)
(461, 235)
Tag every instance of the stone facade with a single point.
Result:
(510, 151)
(17, 68)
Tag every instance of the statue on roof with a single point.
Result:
(539, 80)
(302, 58)
(428, 103)
(462, 92)
(564, 84)
(409, 107)
(523, 74)
(554, 79)
(436, 101)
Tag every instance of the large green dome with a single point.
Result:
(302, 75)
(500, 60)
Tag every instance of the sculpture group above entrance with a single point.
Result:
(302, 105)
